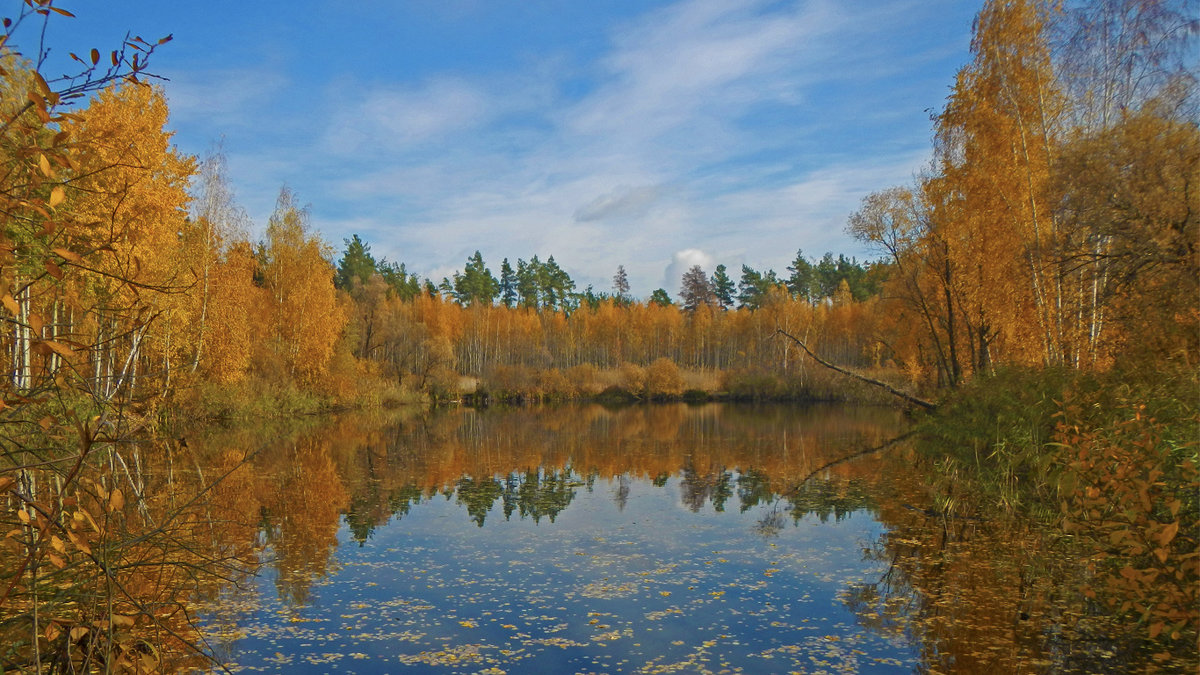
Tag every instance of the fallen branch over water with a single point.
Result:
(862, 378)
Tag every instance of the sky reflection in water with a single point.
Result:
(699, 569)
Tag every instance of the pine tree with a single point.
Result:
(722, 287)
(695, 290)
(508, 284)
(356, 263)
(621, 284)
(800, 283)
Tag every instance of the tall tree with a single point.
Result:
(996, 143)
(476, 285)
(306, 319)
(802, 279)
(508, 284)
(694, 290)
(722, 287)
(621, 284)
(357, 263)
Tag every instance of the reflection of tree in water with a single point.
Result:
(753, 488)
(301, 517)
(545, 493)
(980, 592)
(696, 489)
(621, 495)
(771, 523)
(825, 498)
(363, 517)
(478, 496)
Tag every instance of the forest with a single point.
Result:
(1039, 281)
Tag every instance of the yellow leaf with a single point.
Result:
(78, 632)
(59, 348)
(10, 304)
(121, 620)
(56, 560)
(58, 544)
(41, 83)
(116, 500)
(67, 254)
(57, 195)
(23, 515)
(6, 482)
(79, 542)
(1168, 533)
(44, 165)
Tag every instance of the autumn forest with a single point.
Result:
(1036, 287)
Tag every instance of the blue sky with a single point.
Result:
(654, 135)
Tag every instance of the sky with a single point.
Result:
(650, 134)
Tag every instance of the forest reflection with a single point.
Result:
(966, 591)
(529, 463)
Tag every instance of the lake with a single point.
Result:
(649, 539)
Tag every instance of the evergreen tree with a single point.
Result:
(800, 282)
(475, 285)
(695, 290)
(825, 277)
(528, 284)
(508, 284)
(621, 283)
(661, 297)
(750, 288)
(404, 285)
(722, 287)
(356, 263)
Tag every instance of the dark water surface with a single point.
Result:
(652, 539)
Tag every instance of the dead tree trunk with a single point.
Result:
(861, 378)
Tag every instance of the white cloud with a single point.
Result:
(683, 261)
(656, 157)
(224, 98)
(394, 118)
(623, 201)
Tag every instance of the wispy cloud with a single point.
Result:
(224, 98)
(730, 130)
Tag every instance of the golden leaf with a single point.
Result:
(1168, 533)
(10, 304)
(44, 166)
(79, 542)
(121, 620)
(67, 254)
(59, 348)
(57, 195)
(56, 560)
(116, 500)
(54, 270)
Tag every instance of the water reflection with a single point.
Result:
(644, 539)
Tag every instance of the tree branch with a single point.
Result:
(862, 378)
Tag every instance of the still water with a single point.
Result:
(650, 539)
